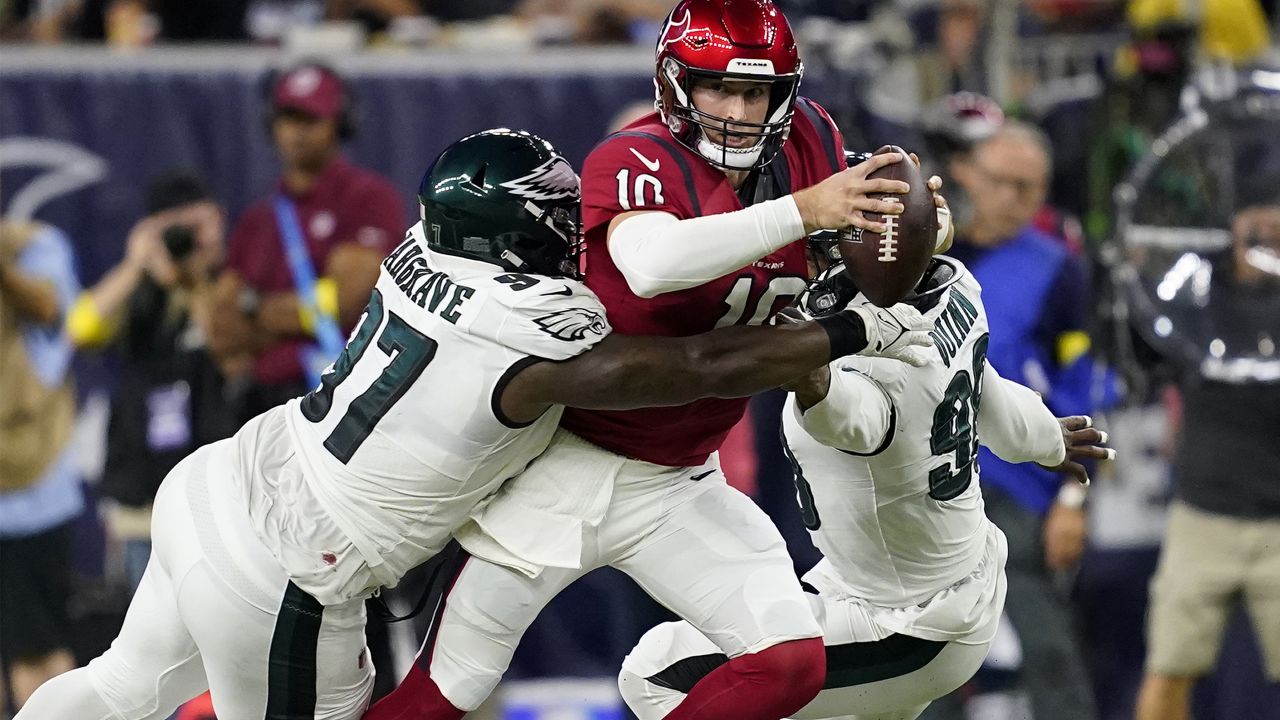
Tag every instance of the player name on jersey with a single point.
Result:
(425, 287)
(953, 325)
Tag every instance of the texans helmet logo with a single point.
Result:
(674, 30)
(572, 324)
(552, 180)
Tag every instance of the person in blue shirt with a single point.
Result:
(1035, 292)
(40, 491)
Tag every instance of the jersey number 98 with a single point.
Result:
(954, 430)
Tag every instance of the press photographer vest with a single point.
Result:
(35, 420)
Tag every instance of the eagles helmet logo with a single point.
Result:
(572, 324)
(552, 180)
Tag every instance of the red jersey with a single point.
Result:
(643, 168)
(347, 204)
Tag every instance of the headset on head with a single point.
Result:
(346, 120)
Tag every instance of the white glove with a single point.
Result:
(899, 333)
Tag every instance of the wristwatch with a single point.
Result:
(249, 301)
(1072, 495)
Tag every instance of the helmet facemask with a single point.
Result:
(689, 125)
(555, 253)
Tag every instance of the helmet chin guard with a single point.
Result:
(729, 158)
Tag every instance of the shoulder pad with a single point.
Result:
(553, 318)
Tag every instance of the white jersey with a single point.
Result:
(887, 473)
(368, 475)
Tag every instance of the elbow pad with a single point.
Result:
(856, 416)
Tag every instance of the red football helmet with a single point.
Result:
(727, 39)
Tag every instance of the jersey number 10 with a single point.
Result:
(408, 354)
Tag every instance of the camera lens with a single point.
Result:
(179, 240)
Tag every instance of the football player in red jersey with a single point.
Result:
(690, 218)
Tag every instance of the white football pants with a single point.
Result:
(894, 678)
(694, 544)
(216, 612)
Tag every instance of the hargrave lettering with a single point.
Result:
(427, 288)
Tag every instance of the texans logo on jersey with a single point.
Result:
(571, 325)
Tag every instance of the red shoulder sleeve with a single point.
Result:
(830, 140)
(635, 170)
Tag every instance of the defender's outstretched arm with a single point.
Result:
(629, 372)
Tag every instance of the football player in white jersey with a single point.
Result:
(476, 336)
(911, 585)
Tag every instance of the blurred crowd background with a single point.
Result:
(146, 305)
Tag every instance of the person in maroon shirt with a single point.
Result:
(350, 219)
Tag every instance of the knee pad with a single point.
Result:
(128, 690)
(664, 645)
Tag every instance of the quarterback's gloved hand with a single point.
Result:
(899, 332)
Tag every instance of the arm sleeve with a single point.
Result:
(1015, 424)
(856, 415)
(50, 258)
(659, 253)
(672, 246)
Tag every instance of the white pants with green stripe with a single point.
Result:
(216, 612)
(869, 676)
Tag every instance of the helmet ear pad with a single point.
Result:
(347, 123)
(665, 95)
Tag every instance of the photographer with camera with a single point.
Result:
(1219, 550)
(40, 494)
(153, 308)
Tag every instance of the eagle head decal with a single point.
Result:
(572, 324)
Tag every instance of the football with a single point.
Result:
(886, 266)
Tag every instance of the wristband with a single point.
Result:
(944, 229)
(846, 332)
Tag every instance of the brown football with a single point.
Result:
(886, 266)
